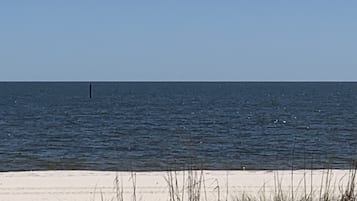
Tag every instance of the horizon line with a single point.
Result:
(207, 81)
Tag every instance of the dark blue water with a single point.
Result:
(156, 126)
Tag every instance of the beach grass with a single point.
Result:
(191, 185)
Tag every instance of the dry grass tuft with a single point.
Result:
(191, 186)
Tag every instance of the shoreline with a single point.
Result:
(212, 184)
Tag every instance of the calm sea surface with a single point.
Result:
(159, 126)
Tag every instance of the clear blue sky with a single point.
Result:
(178, 40)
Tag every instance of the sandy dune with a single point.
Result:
(98, 185)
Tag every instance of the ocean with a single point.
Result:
(145, 126)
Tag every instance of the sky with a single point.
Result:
(181, 40)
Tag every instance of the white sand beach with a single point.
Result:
(150, 186)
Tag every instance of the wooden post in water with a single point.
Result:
(90, 90)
